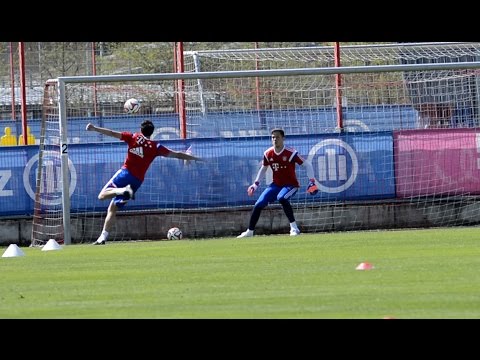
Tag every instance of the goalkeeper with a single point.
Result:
(281, 159)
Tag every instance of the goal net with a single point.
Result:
(430, 93)
(402, 152)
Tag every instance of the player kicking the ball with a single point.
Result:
(281, 160)
(126, 181)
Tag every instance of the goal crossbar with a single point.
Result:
(268, 73)
(62, 81)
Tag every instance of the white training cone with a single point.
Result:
(51, 245)
(12, 251)
(364, 266)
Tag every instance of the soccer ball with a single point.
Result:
(131, 106)
(174, 234)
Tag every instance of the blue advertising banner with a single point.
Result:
(352, 166)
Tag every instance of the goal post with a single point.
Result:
(50, 220)
(355, 166)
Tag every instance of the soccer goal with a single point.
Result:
(379, 167)
(431, 98)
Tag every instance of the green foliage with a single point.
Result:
(56, 59)
(48, 60)
(137, 57)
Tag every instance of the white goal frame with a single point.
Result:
(63, 81)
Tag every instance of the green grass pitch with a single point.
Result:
(428, 274)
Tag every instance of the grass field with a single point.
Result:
(417, 274)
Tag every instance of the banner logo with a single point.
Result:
(51, 186)
(332, 159)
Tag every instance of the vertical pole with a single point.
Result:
(12, 80)
(21, 55)
(203, 103)
(62, 119)
(257, 80)
(338, 87)
(175, 70)
(261, 117)
(94, 73)
(181, 92)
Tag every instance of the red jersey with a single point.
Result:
(141, 153)
(283, 165)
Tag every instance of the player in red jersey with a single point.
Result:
(126, 181)
(282, 160)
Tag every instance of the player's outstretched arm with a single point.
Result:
(183, 156)
(104, 131)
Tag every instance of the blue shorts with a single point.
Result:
(121, 179)
(274, 192)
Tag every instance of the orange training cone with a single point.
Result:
(364, 266)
